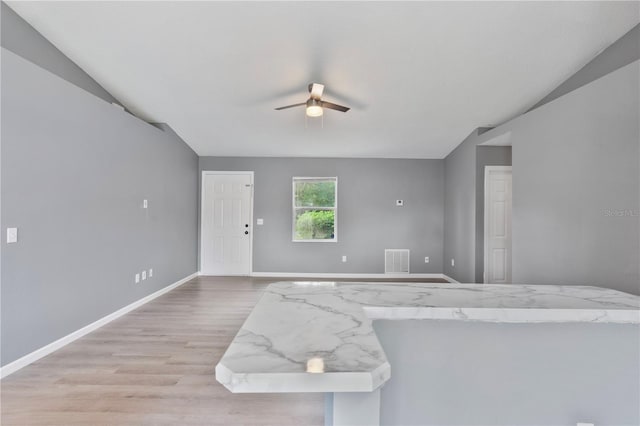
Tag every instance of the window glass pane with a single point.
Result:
(314, 224)
(315, 193)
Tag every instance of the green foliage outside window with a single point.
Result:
(315, 225)
(314, 209)
(315, 193)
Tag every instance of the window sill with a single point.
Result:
(335, 240)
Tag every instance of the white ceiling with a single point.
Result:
(418, 76)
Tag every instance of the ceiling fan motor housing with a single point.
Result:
(314, 105)
(313, 102)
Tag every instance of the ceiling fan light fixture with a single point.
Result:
(314, 106)
(314, 109)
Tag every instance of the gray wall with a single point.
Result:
(485, 156)
(623, 52)
(368, 220)
(576, 186)
(459, 211)
(21, 38)
(75, 170)
(463, 373)
(576, 190)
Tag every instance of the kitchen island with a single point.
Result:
(319, 336)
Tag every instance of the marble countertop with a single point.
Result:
(318, 336)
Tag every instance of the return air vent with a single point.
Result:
(396, 261)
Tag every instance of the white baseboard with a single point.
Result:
(16, 365)
(338, 275)
(451, 280)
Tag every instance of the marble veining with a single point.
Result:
(318, 336)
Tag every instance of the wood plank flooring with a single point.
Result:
(155, 366)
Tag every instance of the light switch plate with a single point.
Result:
(12, 235)
(399, 203)
(145, 204)
(150, 272)
(344, 259)
(260, 221)
(137, 278)
(426, 259)
(144, 275)
(453, 262)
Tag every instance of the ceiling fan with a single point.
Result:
(315, 104)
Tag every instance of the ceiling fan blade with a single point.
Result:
(290, 106)
(337, 107)
(316, 90)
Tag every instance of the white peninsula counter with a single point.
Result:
(318, 336)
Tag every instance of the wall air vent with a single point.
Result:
(396, 261)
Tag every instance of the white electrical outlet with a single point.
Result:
(260, 221)
(12, 235)
(144, 275)
(344, 259)
(150, 272)
(453, 262)
(137, 278)
(145, 204)
(426, 259)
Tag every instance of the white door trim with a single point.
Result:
(487, 172)
(202, 187)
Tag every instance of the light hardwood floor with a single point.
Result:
(153, 366)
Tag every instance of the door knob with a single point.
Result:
(246, 232)
(246, 225)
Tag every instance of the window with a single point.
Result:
(314, 209)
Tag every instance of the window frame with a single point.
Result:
(294, 209)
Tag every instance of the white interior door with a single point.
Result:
(497, 225)
(226, 231)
